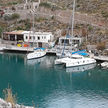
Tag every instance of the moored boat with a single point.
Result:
(75, 60)
(38, 53)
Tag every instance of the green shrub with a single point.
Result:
(7, 17)
(45, 4)
(90, 28)
(15, 16)
(13, 3)
(11, 17)
(104, 14)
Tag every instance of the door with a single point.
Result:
(40, 44)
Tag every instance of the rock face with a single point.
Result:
(4, 104)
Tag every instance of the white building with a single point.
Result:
(36, 39)
(70, 41)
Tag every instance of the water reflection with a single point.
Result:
(43, 62)
(50, 86)
(81, 68)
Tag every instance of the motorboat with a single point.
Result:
(75, 60)
(38, 53)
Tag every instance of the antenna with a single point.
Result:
(73, 16)
(26, 1)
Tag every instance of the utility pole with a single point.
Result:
(73, 14)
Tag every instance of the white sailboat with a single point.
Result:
(38, 52)
(75, 59)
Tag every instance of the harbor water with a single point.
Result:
(46, 85)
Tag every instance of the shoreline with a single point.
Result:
(5, 104)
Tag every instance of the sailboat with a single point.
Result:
(38, 52)
(75, 59)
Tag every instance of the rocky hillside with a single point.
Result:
(99, 7)
(91, 17)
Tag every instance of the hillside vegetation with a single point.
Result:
(99, 7)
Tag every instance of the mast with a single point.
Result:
(33, 26)
(26, 1)
(73, 16)
(72, 25)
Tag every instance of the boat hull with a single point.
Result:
(68, 62)
(35, 55)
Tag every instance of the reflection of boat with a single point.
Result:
(75, 60)
(81, 68)
(104, 64)
(35, 61)
(38, 53)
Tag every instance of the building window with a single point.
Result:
(34, 37)
(38, 38)
(30, 37)
(26, 37)
(44, 37)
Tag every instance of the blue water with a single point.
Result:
(46, 85)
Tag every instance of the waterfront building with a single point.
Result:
(70, 42)
(27, 38)
(40, 39)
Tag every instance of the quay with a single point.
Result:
(4, 48)
(15, 48)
